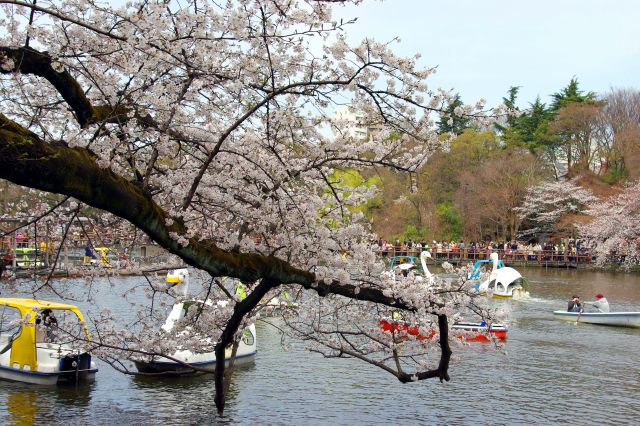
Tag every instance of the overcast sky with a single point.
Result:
(482, 48)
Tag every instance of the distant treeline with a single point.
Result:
(473, 191)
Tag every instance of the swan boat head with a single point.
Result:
(178, 281)
(423, 259)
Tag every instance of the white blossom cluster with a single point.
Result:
(614, 231)
(546, 204)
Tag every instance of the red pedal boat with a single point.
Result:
(476, 331)
(481, 332)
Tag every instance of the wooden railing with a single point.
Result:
(543, 258)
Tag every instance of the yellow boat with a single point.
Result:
(26, 258)
(106, 254)
(40, 342)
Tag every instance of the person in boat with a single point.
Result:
(574, 304)
(88, 254)
(46, 324)
(601, 303)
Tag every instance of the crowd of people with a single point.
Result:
(572, 249)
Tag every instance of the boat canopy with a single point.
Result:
(27, 305)
(508, 276)
(476, 267)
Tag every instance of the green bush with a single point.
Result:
(450, 222)
(412, 233)
(615, 175)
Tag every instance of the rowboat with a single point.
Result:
(40, 347)
(469, 331)
(619, 319)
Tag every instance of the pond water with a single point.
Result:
(549, 372)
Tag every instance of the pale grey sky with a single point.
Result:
(482, 48)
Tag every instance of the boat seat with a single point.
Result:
(41, 335)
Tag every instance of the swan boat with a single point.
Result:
(404, 264)
(181, 361)
(408, 263)
(503, 282)
(34, 349)
(619, 319)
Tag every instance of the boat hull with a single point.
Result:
(185, 362)
(175, 368)
(616, 319)
(56, 363)
(47, 379)
(515, 293)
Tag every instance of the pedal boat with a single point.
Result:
(181, 361)
(471, 332)
(25, 356)
(503, 282)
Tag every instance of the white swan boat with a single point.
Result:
(35, 349)
(407, 263)
(619, 319)
(503, 282)
(180, 361)
(404, 264)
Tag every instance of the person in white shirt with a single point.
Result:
(600, 304)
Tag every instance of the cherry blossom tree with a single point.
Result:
(207, 126)
(545, 205)
(614, 230)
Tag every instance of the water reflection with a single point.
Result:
(21, 405)
(26, 404)
(548, 370)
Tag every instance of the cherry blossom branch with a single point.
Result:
(62, 17)
(30, 61)
(34, 219)
(73, 172)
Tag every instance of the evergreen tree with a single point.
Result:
(534, 126)
(527, 128)
(508, 130)
(571, 94)
(453, 123)
(510, 103)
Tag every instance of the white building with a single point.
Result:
(353, 122)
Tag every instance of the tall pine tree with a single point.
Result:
(453, 123)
